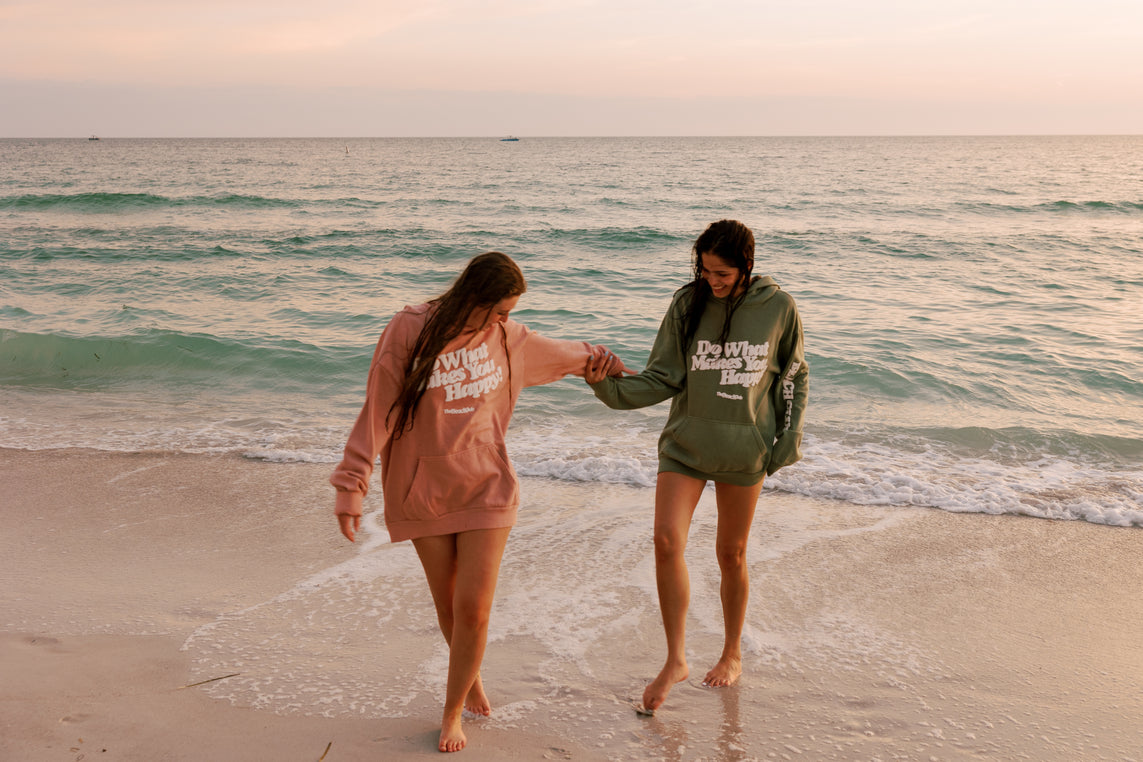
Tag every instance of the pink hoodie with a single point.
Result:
(450, 472)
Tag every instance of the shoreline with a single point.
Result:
(890, 632)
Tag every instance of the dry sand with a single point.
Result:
(877, 633)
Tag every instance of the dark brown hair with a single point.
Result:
(732, 242)
(488, 279)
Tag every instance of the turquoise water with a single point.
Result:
(971, 305)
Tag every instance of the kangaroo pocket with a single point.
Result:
(715, 447)
(480, 477)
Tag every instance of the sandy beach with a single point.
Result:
(874, 632)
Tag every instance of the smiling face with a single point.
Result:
(482, 317)
(725, 280)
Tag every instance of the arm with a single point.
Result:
(664, 377)
(371, 431)
(790, 395)
(547, 360)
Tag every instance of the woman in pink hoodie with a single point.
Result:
(443, 383)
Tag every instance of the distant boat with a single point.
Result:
(510, 139)
(94, 137)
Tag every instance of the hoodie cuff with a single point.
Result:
(787, 450)
(348, 503)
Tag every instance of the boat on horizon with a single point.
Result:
(510, 139)
(94, 137)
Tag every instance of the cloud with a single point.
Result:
(960, 50)
(211, 40)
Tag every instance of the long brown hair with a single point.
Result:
(732, 242)
(488, 279)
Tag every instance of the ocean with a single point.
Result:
(971, 305)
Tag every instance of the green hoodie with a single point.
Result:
(736, 408)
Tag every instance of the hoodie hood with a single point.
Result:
(761, 288)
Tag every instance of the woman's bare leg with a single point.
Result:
(735, 515)
(441, 574)
(676, 496)
(463, 567)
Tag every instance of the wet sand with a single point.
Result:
(873, 632)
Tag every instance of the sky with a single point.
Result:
(365, 68)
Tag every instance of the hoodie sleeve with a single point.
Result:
(371, 431)
(663, 378)
(547, 360)
(789, 395)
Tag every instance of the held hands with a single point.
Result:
(603, 363)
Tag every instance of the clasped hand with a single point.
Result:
(603, 363)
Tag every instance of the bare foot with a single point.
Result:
(476, 701)
(724, 674)
(452, 737)
(656, 693)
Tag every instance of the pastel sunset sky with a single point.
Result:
(234, 68)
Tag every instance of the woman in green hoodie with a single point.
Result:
(729, 357)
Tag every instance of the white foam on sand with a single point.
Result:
(621, 449)
(1048, 487)
(575, 621)
(325, 646)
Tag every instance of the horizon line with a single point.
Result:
(98, 136)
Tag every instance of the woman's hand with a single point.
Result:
(349, 525)
(603, 363)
